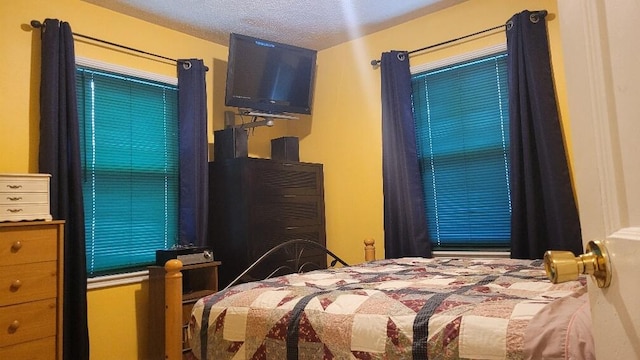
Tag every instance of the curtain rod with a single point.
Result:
(37, 25)
(376, 62)
(541, 13)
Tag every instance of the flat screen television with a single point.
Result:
(269, 77)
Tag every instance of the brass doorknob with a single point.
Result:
(562, 266)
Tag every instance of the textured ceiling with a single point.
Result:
(315, 24)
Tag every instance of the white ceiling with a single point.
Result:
(315, 24)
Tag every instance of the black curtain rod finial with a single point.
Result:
(375, 62)
(36, 24)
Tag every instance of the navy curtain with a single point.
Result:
(59, 155)
(192, 107)
(405, 224)
(544, 213)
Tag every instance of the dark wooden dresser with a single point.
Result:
(256, 204)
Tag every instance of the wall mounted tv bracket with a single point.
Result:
(258, 118)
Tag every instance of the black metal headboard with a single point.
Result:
(296, 250)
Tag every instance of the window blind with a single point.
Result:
(129, 149)
(461, 119)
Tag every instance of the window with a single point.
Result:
(129, 152)
(461, 118)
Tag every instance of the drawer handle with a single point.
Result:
(15, 285)
(292, 227)
(288, 196)
(15, 324)
(14, 186)
(14, 198)
(16, 246)
(14, 210)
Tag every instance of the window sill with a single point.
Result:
(100, 282)
(471, 254)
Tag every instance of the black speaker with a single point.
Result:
(230, 143)
(285, 148)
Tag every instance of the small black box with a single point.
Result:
(187, 254)
(285, 148)
(230, 143)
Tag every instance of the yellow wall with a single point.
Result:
(344, 132)
(117, 315)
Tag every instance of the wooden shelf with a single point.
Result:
(192, 297)
(201, 265)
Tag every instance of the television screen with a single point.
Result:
(269, 76)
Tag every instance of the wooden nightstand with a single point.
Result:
(31, 291)
(198, 280)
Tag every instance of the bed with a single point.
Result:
(439, 308)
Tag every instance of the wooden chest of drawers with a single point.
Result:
(257, 204)
(31, 280)
(24, 197)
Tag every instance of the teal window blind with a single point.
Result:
(129, 150)
(461, 119)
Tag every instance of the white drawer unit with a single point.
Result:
(24, 197)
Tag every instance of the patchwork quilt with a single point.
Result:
(387, 309)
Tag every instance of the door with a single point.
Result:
(602, 60)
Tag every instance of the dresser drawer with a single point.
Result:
(286, 211)
(41, 349)
(27, 244)
(24, 198)
(20, 212)
(269, 237)
(271, 177)
(28, 282)
(21, 183)
(28, 321)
